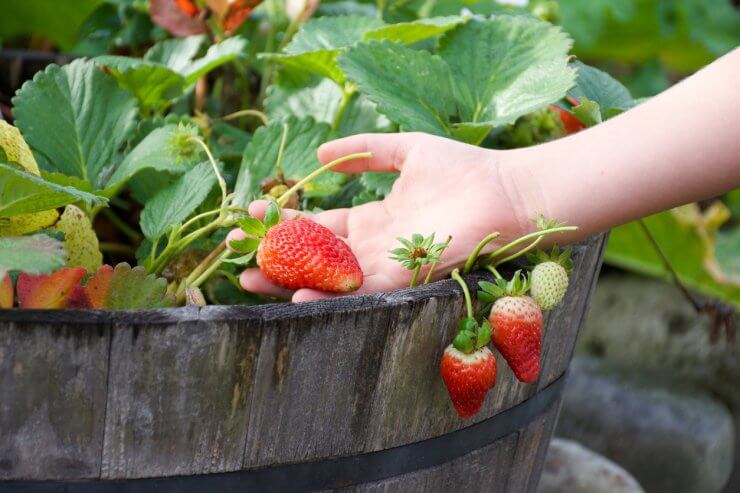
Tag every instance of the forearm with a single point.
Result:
(679, 147)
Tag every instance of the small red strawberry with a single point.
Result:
(468, 367)
(571, 124)
(516, 322)
(468, 378)
(298, 253)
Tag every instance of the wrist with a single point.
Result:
(523, 188)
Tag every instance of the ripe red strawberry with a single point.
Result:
(517, 334)
(571, 124)
(468, 378)
(300, 253)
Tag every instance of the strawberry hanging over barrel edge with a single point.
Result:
(468, 367)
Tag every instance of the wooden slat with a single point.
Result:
(52, 399)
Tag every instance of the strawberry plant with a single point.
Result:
(119, 159)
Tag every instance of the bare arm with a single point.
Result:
(681, 146)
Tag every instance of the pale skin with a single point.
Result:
(681, 146)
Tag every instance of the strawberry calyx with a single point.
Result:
(418, 252)
(471, 335)
(489, 292)
(563, 258)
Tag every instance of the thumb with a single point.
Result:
(389, 152)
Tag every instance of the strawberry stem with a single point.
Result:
(281, 151)
(494, 271)
(474, 255)
(241, 113)
(559, 229)
(219, 176)
(434, 264)
(349, 157)
(415, 276)
(468, 301)
(520, 252)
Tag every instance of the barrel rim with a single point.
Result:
(266, 312)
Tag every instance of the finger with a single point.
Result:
(234, 235)
(389, 152)
(253, 281)
(335, 219)
(372, 284)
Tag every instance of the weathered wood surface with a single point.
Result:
(188, 391)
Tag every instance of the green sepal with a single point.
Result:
(252, 226)
(409, 256)
(463, 341)
(272, 214)
(467, 324)
(489, 292)
(243, 260)
(587, 112)
(484, 335)
(562, 258)
(245, 245)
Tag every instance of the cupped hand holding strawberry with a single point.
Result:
(446, 187)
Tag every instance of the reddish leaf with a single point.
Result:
(50, 290)
(122, 288)
(6, 292)
(167, 14)
(238, 12)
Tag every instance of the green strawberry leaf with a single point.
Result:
(158, 151)
(379, 183)
(595, 85)
(37, 254)
(226, 51)
(299, 158)
(25, 193)
(154, 86)
(415, 31)
(320, 100)
(176, 54)
(484, 335)
(245, 245)
(471, 133)
(173, 205)
(75, 119)
(316, 46)
(506, 67)
(417, 97)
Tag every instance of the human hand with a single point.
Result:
(445, 187)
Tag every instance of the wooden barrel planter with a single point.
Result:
(335, 394)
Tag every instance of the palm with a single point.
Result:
(431, 195)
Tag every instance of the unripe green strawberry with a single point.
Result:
(549, 277)
(549, 282)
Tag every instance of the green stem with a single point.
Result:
(349, 157)
(473, 256)
(119, 223)
(109, 247)
(489, 258)
(494, 272)
(347, 95)
(281, 151)
(520, 252)
(195, 219)
(415, 277)
(434, 264)
(468, 301)
(211, 269)
(219, 176)
(241, 113)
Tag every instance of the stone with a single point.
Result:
(572, 468)
(635, 321)
(670, 436)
